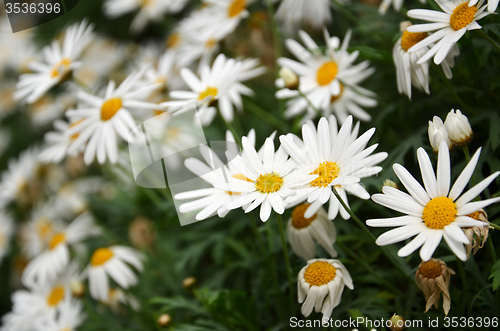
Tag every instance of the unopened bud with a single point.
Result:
(77, 288)
(390, 183)
(437, 133)
(458, 128)
(164, 320)
(290, 78)
(189, 283)
(397, 323)
(404, 25)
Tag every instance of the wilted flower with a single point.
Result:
(478, 234)
(458, 128)
(437, 133)
(433, 277)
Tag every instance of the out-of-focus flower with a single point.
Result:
(189, 283)
(397, 4)
(458, 128)
(397, 323)
(118, 297)
(58, 142)
(70, 316)
(301, 232)
(59, 63)
(338, 158)
(111, 261)
(437, 134)
(449, 26)
(99, 123)
(164, 320)
(292, 13)
(434, 212)
(477, 235)
(433, 278)
(141, 233)
(290, 79)
(321, 283)
(6, 230)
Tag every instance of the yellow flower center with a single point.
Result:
(462, 16)
(408, 39)
(326, 73)
(210, 43)
(430, 269)
(439, 212)
(60, 67)
(173, 40)
(319, 273)
(269, 183)
(327, 172)
(100, 256)
(55, 296)
(209, 92)
(236, 7)
(44, 227)
(110, 107)
(76, 135)
(298, 219)
(336, 97)
(57, 239)
(477, 215)
(241, 177)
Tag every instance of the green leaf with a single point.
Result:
(495, 275)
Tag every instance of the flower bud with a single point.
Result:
(189, 283)
(458, 128)
(164, 320)
(404, 25)
(290, 78)
(77, 288)
(397, 323)
(141, 233)
(390, 183)
(437, 133)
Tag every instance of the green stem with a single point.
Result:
(491, 247)
(495, 226)
(231, 128)
(492, 42)
(366, 230)
(465, 285)
(310, 103)
(287, 259)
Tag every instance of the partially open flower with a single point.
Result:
(397, 323)
(433, 277)
(437, 133)
(477, 235)
(458, 128)
(301, 232)
(322, 281)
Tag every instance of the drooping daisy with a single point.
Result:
(267, 181)
(321, 283)
(6, 230)
(292, 13)
(433, 278)
(207, 89)
(324, 77)
(47, 266)
(492, 4)
(339, 158)
(59, 62)
(434, 212)
(301, 232)
(112, 261)
(70, 316)
(108, 116)
(449, 26)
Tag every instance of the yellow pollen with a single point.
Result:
(209, 92)
(56, 240)
(462, 16)
(173, 40)
(319, 273)
(100, 256)
(236, 7)
(336, 97)
(327, 172)
(475, 215)
(439, 212)
(430, 269)
(408, 39)
(326, 73)
(269, 183)
(60, 67)
(298, 219)
(110, 107)
(55, 296)
(241, 177)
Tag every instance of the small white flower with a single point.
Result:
(321, 283)
(458, 128)
(437, 133)
(14, 184)
(292, 13)
(434, 212)
(57, 143)
(301, 232)
(111, 261)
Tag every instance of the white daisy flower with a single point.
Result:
(212, 84)
(301, 232)
(112, 261)
(324, 77)
(108, 116)
(340, 160)
(118, 297)
(434, 212)
(321, 283)
(49, 108)
(15, 181)
(47, 266)
(6, 231)
(70, 317)
(71, 198)
(292, 13)
(397, 4)
(437, 133)
(58, 64)
(492, 4)
(165, 72)
(449, 26)
(226, 15)
(268, 181)
(58, 142)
